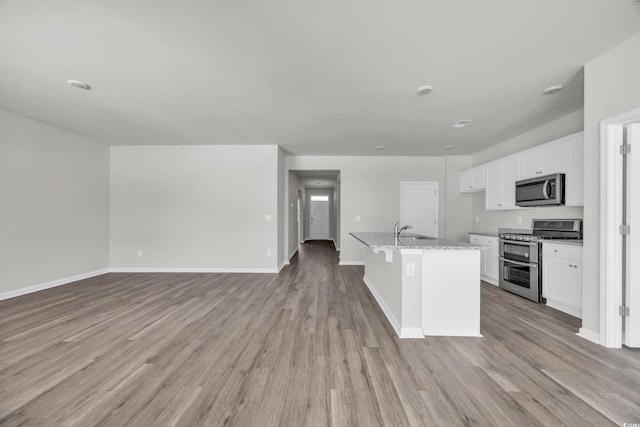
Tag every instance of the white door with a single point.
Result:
(319, 220)
(632, 282)
(419, 207)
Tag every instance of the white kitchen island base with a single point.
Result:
(427, 290)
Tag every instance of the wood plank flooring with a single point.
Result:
(308, 346)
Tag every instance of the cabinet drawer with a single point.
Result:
(481, 240)
(555, 250)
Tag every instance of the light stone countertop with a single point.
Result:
(386, 240)
(565, 242)
(485, 233)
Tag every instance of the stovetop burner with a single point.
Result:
(543, 229)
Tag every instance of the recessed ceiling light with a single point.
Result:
(461, 123)
(449, 147)
(78, 84)
(552, 89)
(380, 147)
(423, 90)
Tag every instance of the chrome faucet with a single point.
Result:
(397, 231)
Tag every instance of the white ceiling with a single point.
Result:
(332, 77)
(317, 178)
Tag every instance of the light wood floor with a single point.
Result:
(306, 347)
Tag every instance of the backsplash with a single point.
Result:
(520, 218)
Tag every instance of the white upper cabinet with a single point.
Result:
(501, 177)
(498, 178)
(574, 170)
(472, 180)
(543, 160)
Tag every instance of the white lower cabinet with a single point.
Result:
(488, 256)
(562, 277)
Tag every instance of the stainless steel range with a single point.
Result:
(521, 254)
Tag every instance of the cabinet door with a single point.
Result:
(552, 159)
(501, 177)
(472, 180)
(491, 263)
(477, 178)
(466, 181)
(531, 164)
(562, 285)
(543, 160)
(510, 173)
(574, 169)
(494, 190)
(477, 240)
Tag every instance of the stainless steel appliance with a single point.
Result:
(521, 254)
(545, 190)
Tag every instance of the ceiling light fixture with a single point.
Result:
(449, 147)
(552, 90)
(78, 84)
(461, 123)
(424, 90)
(380, 147)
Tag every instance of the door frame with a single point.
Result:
(611, 188)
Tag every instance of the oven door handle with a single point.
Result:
(518, 242)
(524, 264)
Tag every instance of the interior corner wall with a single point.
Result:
(54, 209)
(370, 189)
(491, 220)
(458, 205)
(292, 214)
(281, 214)
(194, 208)
(611, 88)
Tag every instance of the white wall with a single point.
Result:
(492, 220)
(292, 209)
(194, 207)
(282, 246)
(458, 205)
(54, 208)
(612, 87)
(370, 188)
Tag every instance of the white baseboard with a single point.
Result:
(291, 254)
(589, 335)
(283, 265)
(411, 333)
(52, 284)
(576, 312)
(351, 262)
(402, 332)
(489, 280)
(190, 270)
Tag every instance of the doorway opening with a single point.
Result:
(315, 207)
(619, 209)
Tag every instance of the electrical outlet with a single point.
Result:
(139, 253)
(268, 253)
(358, 218)
(411, 269)
(477, 219)
(519, 220)
(267, 218)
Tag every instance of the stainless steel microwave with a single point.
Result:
(545, 190)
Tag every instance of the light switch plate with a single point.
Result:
(358, 218)
(267, 218)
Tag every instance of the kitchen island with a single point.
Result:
(424, 286)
